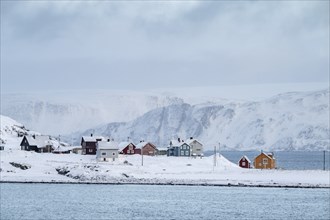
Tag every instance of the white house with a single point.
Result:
(196, 146)
(106, 150)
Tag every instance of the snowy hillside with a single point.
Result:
(10, 132)
(290, 121)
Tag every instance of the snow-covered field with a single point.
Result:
(155, 170)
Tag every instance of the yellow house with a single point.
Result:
(265, 161)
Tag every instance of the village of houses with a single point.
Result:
(106, 149)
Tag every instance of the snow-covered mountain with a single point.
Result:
(290, 121)
(61, 113)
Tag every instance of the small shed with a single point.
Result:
(107, 150)
(244, 162)
(162, 150)
(265, 161)
(63, 150)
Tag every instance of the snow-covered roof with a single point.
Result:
(92, 138)
(141, 144)
(124, 144)
(176, 143)
(62, 149)
(189, 140)
(39, 140)
(162, 148)
(107, 145)
(269, 155)
(246, 158)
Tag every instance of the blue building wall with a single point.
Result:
(179, 151)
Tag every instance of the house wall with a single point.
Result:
(179, 151)
(149, 149)
(197, 148)
(244, 163)
(109, 154)
(259, 162)
(88, 148)
(184, 150)
(130, 149)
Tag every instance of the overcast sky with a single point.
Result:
(61, 45)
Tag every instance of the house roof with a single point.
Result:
(176, 143)
(62, 149)
(107, 145)
(189, 141)
(144, 143)
(246, 158)
(124, 144)
(39, 140)
(267, 155)
(92, 138)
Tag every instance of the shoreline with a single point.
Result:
(173, 184)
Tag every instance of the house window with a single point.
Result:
(84, 144)
(182, 153)
(264, 161)
(104, 153)
(90, 150)
(243, 163)
(184, 147)
(113, 154)
(187, 153)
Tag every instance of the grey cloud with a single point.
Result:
(160, 44)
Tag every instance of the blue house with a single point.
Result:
(179, 148)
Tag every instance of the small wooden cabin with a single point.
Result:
(265, 161)
(146, 148)
(244, 162)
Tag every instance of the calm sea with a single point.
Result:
(289, 160)
(75, 201)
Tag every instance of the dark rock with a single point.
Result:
(21, 166)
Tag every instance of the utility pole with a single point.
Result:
(219, 150)
(324, 160)
(142, 155)
(215, 157)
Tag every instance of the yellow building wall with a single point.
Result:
(264, 162)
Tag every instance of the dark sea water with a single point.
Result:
(289, 160)
(84, 201)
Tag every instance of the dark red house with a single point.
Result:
(127, 148)
(88, 144)
(244, 162)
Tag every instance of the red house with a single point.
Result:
(127, 148)
(88, 144)
(146, 148)
(244, 162)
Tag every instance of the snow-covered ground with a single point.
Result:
(155, 170)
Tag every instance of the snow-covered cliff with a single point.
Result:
(290, 121)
